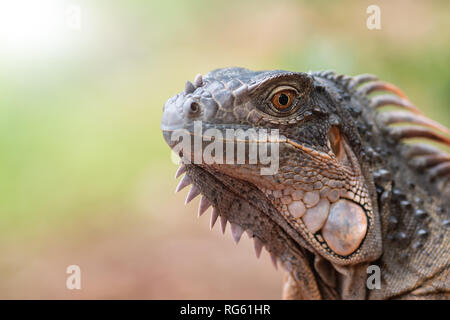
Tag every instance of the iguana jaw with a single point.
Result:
(290, 205)
(246, 208)
(242, 205)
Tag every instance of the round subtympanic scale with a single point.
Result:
(345, 227)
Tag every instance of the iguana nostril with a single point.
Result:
(194, 107)
(191, 108)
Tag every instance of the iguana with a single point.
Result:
(353, 188)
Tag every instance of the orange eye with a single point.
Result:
(283, 100)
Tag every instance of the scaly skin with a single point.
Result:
(349, 192)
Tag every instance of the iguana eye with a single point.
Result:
(282, 100)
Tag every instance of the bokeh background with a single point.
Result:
(85, 176)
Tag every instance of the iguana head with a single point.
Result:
(314, 191)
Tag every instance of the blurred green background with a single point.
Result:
(85, 176)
